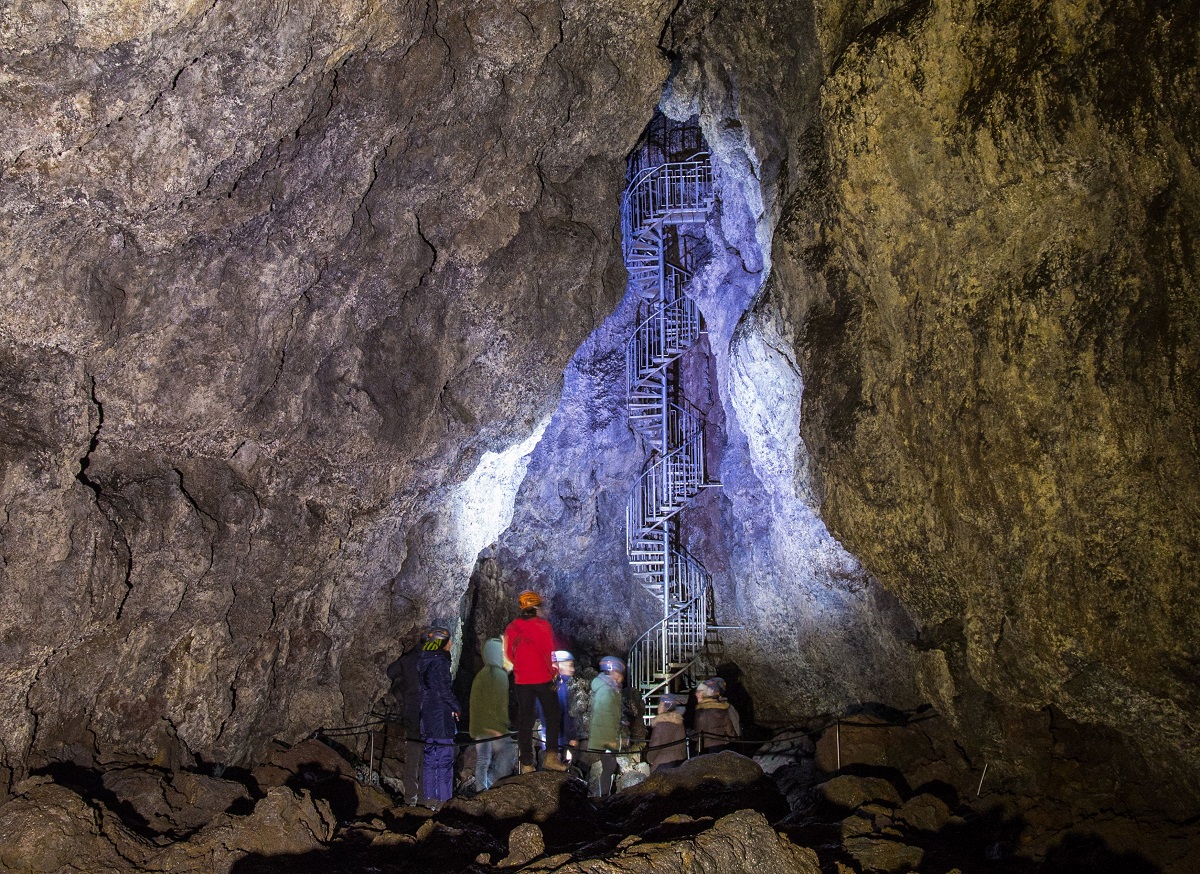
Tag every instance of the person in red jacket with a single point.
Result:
(529, 645)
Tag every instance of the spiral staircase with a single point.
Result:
(661, 199)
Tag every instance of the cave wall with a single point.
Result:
(275, 277)
(994, 302)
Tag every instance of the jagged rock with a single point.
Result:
(851, 792)
(47, 828)
(874, 854)
(282, 823)
(552, 800)
(740, 843)
(525, 843)
(709, 785)
(178, 803)
(924, 812)
(784, 749)
(857, 825)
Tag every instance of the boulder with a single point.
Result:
(709, 785)
(926, 813)
(851, 792)
(786, 748)
(740, 843)
(48, 828)
(282, 823)
(877, 854)
(525, 843)
(555, 801)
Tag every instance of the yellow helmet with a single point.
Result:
(528, 599)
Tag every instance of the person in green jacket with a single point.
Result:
(605, 733)
(496, 756)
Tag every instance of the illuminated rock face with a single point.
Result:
(276, 283)
(309, 265)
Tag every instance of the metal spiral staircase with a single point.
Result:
(659, 201)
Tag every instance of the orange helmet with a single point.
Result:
(528, 599)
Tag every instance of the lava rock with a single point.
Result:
(709, 785)
(925, 813)
(740, 843)
(851, 792)
(525, 843)
(875, 854)
(783, 750)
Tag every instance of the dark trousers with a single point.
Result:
(414, 759)
(608, 772)
(439, 769)
(527, 694)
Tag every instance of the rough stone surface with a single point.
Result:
(924, 812)
(739, 842)
(275, 278)
(991, 279)
(874, 854)
(289, 291)
(851, 792)
(525, 843)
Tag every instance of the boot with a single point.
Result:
(527, 769)
(551, 762)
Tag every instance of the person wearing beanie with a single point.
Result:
(717, 722)
(439, 717)
(495, 757)
(604, 738)
(529, 646)
(667, 734)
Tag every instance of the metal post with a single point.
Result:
(839, 745)
(981, 776)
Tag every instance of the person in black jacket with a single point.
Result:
(439, 717)
(406, 688)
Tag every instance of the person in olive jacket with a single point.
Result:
(605, 729)
(495, 757)
(439, 717)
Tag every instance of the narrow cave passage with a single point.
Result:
(619, 520)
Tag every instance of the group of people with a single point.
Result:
(546, 690)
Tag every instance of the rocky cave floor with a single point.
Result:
(789, 808)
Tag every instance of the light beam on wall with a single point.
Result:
(483, 504)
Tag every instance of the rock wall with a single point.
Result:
(279, 277)
(991, 282)
(275, 276)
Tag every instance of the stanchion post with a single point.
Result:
(839, 744)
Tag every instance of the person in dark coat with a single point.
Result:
(439, 717)
(667, 734)
(406, 689)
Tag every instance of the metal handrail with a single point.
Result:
(667, 194)
(683, 187)
(648, 350)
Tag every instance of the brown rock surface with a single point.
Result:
(850, 792)
(275, 277)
